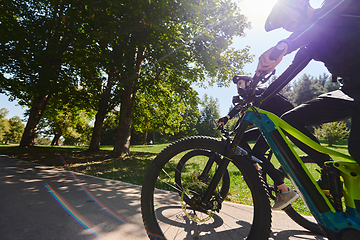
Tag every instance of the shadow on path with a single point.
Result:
(40, 202)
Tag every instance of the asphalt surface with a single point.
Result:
(40, 202)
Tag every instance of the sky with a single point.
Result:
(257, 38)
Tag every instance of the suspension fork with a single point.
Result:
(229, 149)
(205, 173)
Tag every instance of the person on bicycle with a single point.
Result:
(277, 105)
(330, 34)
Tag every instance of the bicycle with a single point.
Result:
(201, 183)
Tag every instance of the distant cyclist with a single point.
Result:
(330, 34)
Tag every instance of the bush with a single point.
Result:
(332, 132)
(42, 141)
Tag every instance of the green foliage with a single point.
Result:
(16, 128)
(308, 87)
(231, 123)
(168, 106)
(106, 50)
(10, 129)
(38, 39)
(109, 128)
(4, 124)
(36, 36)
(3, 113)
(69, 122)
(209, 115)
(177, 43)
(42, 141)
(332, 132)
(79, 132)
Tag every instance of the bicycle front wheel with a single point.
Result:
(169, 214)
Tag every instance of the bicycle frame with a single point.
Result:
(331, 221)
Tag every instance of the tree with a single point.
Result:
(134, 42)
(166, 107)
(4, 124)
(42, 140)
(332, 132)
(189, 123)
(80, 131)
(68, 121)
(16, 128)
(36, 37)
(209, 115)
(305, 89)
(108, 131)
(308, 87)
(10, 129)
(195, 35)
(109, 50)
(331, 86)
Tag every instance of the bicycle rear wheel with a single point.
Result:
(298, 210)
(170, 215)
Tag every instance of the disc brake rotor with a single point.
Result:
(195, 218)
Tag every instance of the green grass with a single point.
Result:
(154, 148)
(131, 168)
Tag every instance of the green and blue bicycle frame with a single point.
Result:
(331, 221)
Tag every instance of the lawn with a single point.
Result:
(129, 169)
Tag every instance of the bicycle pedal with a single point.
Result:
(326, 192)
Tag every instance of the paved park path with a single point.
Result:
(40, 202)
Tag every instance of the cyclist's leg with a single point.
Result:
(317, 111)
(250, 136)
(259, 151)
(286, 195)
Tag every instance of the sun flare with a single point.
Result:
(256, 10)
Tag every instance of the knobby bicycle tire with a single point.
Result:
(157, 224)
(302, 221)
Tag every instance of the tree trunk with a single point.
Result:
(56, 140)
(100, 116)
(330, 144)
(96, 135)
(37, 109)
(123, 134)
(153, 133)
(145, 137)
